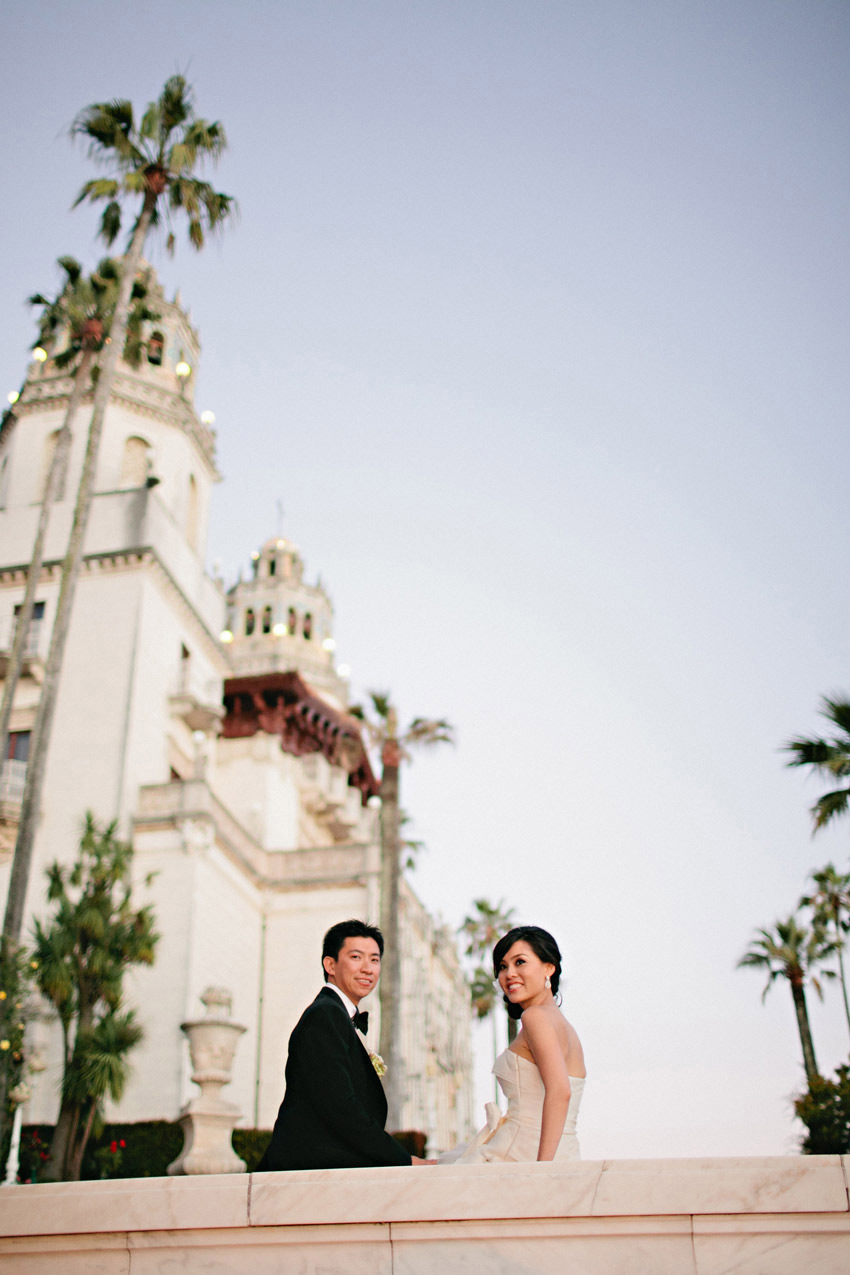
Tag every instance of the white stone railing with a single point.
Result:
(777, 1216)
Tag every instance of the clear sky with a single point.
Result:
(536, 323)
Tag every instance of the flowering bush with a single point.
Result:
(17, 970)
(109, 1158)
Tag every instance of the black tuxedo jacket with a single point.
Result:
(334, 1109)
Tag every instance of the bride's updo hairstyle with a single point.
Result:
(542, 945)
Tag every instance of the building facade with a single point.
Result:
(212, 725)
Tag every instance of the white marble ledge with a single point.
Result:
(581, 1189)
(125, 1204)
(781, 1244)
(604, 1188)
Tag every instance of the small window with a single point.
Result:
(308, 626)
(272, 565)
(135, 463)
(292, 621)
(250, 621)
(37, 610)
(19, 745)
(156, 348)
(267, 619)
(31, 641)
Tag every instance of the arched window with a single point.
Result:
(292, 621)
(267, 619)
(272, 564)
(250, 621)
(192, 513)
(135, 463)
(156, 348)
(50, 445)
(307, 628)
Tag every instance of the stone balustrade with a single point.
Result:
(773, 1216)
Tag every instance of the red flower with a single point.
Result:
(113, 1147)
(122, 1143)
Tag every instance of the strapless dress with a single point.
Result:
(515, 1135)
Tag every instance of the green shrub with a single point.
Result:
(825, 1111)
(250, 1145)
(141, 1150)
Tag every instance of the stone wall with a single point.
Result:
(777, 1216)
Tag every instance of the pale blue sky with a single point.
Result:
(536, 320)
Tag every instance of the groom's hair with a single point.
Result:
(337, 934)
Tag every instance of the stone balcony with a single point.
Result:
(777, 1216)
(33, 654)
(171, 805)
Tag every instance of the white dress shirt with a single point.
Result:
(351, 1010)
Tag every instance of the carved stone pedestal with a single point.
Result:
(208, 1120)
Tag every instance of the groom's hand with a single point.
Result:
(414, 1159)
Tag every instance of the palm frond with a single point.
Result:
(110, 222)
(829, 805)
(836, 708)
(382, 703)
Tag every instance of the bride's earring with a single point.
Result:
(548, 983)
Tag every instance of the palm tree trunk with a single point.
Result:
(843, 981)
(57, 464)
(804, 1029)
(60, 1143)
(74, 1160)
(37, 765)
(390, 985)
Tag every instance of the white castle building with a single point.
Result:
(213, 727)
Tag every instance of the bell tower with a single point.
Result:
(278, 622)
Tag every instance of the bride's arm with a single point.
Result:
(543, 1042)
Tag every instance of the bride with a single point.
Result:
(542, 1073)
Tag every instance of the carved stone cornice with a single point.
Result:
(136, 392)
(134, 559)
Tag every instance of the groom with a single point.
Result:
(334, 1109)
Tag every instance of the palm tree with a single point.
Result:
(482, 928)
(830, 903)
(829, 757)
(155, 161)
(395, 748)
(81, 313)
(792, 951)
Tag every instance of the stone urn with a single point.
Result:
(208, 1120)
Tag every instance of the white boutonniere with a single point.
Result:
(378, 1063)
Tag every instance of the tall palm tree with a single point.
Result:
(830, 903)
(828, 757)
(395, 747)
(81, 316)
(793, 951)
(482, 928)
(156, 162)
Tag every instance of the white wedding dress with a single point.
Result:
(515, 1135)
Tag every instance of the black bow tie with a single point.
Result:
(360, 1018)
